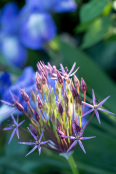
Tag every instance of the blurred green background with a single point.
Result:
(87, 37)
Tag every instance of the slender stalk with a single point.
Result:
(73, 165)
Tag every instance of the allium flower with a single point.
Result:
(15, 126)
(96, 107)
(37, 143)
(57, 112)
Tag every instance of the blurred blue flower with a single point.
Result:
(37, 29)
(10, 45)
(5, 83)
(51, 5)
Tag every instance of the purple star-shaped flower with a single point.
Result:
(96, 107)
(37, 143)
(15, 125)
(77, 136)
(65, 73)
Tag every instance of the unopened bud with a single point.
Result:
(33, 95)
(44, 81)
(60, 108)
(74, 92)
(24, 95)
(19, 106)
(60, 133)
(33, 130)
(83, 85)
(37, 117)
(76, 127)
(40, 105)
(65, 98)
(59, 78)
(76, 81)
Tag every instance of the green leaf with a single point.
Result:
(98, 29)
(92, 9)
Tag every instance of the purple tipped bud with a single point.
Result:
(83, 85)
(60, 133)
(59, 127)
(40, 105)
(59, 78)
(78, 100)
(74, 92)
(44, 81)
(37, 117)
(24, 95)
(76, 128)
(60, 108)
(33, 130)
(76, 81)
(65, 98)
(19, 106)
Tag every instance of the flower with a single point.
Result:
(51, 5)
(15, 125)
(37, 143)
(96, 107)
(57, 111)
(77, 136)
(11, 47)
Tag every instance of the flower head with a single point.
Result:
(15, 125)
(96, 107)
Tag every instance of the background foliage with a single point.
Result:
(87, 36)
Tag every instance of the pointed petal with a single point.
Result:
(39, 150)
(7, 103)
(27, 143)
(8, 128)
(88, 112)
(62, 68)
(97, 115)
(41, 135)
(8, 112)
(87, 104)
(33, 135)
(74, 72)
(13, 132)
(17, 118)
(48, 141)
(17, 132)
(72, 69)
(86, 138)
(13, 119)
(103, 101)
(93, 95)
(70, 137)
(100, 109)
(72, 145)
(21, 123)
(32, 150)
(82, 147)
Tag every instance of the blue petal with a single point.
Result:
(13, 51)
(8, 17)
(37, 29)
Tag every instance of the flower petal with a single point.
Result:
(33, 135)
(48, 141)
(72, 145)
(21, 123)
(87, 104)
(13, 119)
(72, 69)
(100, 109)
(27, 143)
(8, 128)
(97, 115)
(39, 150)
(62, 68)
(17, 132)
(88, 112)
(12, 135)
(82, 147)
(103, 101)
(93, 95)
(32, 150)
(41, 134)
(86, 138)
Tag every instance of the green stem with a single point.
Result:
(73, 165)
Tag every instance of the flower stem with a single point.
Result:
(73, 165)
